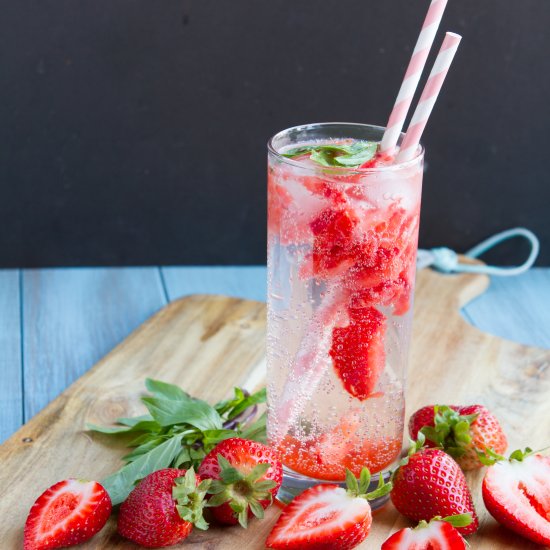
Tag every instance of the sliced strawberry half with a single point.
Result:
(357, 351)
(438, 534)
(68, 513)
(517, 494)
(327, 516)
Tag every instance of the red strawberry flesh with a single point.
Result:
(358, 351)
(323, 517)
(68, 513)
(437, 535)
(332, 241)
(517, 495)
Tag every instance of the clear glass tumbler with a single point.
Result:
(342, 246)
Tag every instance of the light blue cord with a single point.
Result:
(446, 260)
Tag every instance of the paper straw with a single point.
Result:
(412, 76)
(429, 96)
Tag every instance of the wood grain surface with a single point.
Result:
(209, 344)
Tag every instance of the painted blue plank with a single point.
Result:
(73, 317)
(515, 308)
(11, 388)
(242, 282)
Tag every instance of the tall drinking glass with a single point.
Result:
(342, 246)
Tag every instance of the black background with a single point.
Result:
(133, 132)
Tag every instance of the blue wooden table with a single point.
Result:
(56, 323)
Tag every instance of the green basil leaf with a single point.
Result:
(256, 431)
(108, 430)
(195, 412)
(254, 399)
(143, 448)
(166, 391)
(323, 156)
(183, 459)
(120, 485)
(133, 421)
(212, 437)
(361, 155)
(227, 404)
(351, 156)
(299, 151)
(142, 426)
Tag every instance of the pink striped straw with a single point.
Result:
(429, 96)
(412, 76)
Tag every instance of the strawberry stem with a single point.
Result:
(359, 487)
(451, 430)
(190, 498)
(241, 492)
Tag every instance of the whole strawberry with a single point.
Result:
(68, 513)
(429, 483)
(163, 508)
(516, 493)
(246, 477)
(439, 533)
(328, 517)
(463, 432)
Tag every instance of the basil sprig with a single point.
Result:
(351, 156)
(179, 432)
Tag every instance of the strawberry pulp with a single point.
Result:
(352, 238)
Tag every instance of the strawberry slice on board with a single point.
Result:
(358, 353)
(429, 483)
(68, 513)
(516, 493)
(438, 534)
(328, 516)
(463, 432)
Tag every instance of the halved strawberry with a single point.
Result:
(463, 432)
(327, 516)
(357, 351)
(430, 483)
(517, 494)
(246, 477)
(68, 513)
(438, 534)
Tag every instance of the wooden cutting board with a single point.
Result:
(208, 344)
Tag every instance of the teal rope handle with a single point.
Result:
(446, 260)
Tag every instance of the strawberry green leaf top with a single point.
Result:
(467, 433)
(351, 155)
(190, 498)
(179, 432)
(246, 476)
(163, 508)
